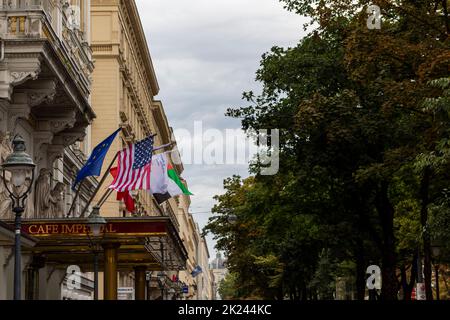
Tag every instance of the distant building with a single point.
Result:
(205, 278)
(220, 271)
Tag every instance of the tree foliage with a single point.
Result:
(364, 150)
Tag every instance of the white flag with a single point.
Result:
(159, 180)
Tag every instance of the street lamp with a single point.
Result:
(161, 282)
(19, 164)
(95, 222)
(436, 251)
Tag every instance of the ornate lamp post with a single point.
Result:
(19, 164)
(161, 282)
(95, 222)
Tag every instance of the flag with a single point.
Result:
(134, 167)
(125, 196)
(196, 271)
(165, 183)
(93, 166)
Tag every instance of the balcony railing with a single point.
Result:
(168, 212)
(44, 19)
(25, 4)
(47, 6)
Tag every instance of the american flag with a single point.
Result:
(134, 167)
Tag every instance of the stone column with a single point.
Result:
(32, 284)
(110, 274)
(139, 283)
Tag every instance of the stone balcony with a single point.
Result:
(45, 76)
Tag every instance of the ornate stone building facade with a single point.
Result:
(123, 94)
(124, 86)
(52, 96)
(206, 279)
(124, 90)
(45, 86)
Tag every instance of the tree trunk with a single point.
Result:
(389, 279)
(408, 287)
(413, 276)
(280, 295)
(304, 294)
(404, 283)
(388, 254)
(424, 195)
(360, 272)
(297, 293)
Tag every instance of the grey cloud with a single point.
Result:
(205, 54)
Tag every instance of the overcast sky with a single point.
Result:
(206, 53)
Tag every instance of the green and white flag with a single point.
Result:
(164, 181)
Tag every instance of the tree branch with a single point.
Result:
(447, 24)
(414, 16)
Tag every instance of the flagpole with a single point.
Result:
(163, 146)
(108, 192)
(105, 197)
(105, 175)
(75, 199)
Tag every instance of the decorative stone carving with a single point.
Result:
(41, 139)
(35, 98)
(38, 92)
(42, 201)
(78, 152)
(5, 146)
(5, 200)
(69, 137)
(57, 201)
(62, 124)
(35, 27)
(61, 99)
(16, 112)
(3, 26)
(54, 152)
(18, 78)
(57, 123)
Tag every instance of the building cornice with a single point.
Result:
(136, 24)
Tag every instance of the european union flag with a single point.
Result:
(93, 166)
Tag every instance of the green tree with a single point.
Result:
(363, 152)
(227, 287)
